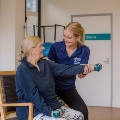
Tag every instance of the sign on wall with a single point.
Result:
(101, 36)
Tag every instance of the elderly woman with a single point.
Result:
(35, 83)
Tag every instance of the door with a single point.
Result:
(96, 88)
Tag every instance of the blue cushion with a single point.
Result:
(47, 47)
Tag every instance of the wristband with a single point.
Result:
(84, 74)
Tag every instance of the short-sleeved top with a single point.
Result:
(58, 54)
(38, 87)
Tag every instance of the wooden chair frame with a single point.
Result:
(2, 104)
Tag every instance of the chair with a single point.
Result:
(8, 97)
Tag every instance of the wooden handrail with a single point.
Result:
(7, 72)
(30, 105)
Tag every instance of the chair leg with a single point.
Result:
(3, 115)
(30, 117)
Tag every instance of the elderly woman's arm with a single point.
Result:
(70, 70)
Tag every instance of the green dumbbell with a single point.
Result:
(97, 67)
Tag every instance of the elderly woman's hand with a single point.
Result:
(88, 69)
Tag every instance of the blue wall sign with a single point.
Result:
(103, 36)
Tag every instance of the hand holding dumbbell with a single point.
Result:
(57, 113)
(90, 68)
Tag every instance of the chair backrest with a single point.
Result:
(8, 89)
(8, 95)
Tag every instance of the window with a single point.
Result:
(32, 5)
(31, 17)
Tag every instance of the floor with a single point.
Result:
(104, 113)
(100, 113)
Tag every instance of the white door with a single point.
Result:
(96, 88)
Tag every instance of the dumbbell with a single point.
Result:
(56, 113)
(97, 67)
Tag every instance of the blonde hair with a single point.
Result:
(77, 30)
(28, 43)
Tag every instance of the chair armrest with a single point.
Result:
(30, 105)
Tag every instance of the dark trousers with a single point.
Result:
(73, 100)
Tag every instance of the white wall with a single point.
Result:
(0, 26)
(19, 27)
(11, 32)
(7, 36)
(60, 11)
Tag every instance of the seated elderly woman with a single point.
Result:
(35, 83)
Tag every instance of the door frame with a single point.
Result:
(39, 16)
(111, 22)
